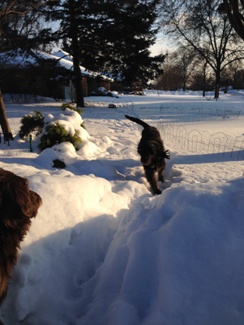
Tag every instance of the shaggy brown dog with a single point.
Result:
(18, 204)
(153, 154)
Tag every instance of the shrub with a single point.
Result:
(76, 109)
(31, 122)
(55, 133)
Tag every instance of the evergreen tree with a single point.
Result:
(108, 36)
(130, 33)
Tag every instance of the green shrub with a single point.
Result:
(55, 133)
(76, 109)
(31, 122)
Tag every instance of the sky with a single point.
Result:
(162, 45)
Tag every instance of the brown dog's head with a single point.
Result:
(17, 202)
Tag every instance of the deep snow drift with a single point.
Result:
(104, 251)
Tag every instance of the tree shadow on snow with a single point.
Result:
(210, 157)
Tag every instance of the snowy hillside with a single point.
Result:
(104, 251)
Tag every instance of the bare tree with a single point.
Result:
(177, 69)
(233, 75)
(202, 78)
(169, 79)
(201, 26)
(185, 60)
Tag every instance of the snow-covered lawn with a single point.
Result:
(104, 251)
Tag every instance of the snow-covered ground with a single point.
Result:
(104, 251)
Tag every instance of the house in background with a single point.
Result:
(47, 75)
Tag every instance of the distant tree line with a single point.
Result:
(184, 69)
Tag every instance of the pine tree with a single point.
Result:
(131, 32)
(109, 36)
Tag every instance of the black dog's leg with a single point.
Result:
(161, 175)
(152, 180)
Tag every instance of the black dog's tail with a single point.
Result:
(138, 121)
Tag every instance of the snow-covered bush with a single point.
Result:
(55, 133)
(73, 108)
(67, 126)
(66, 106)
(31, 122)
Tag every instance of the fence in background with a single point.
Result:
(195, 142)
(174, 132)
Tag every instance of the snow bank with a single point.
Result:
(104, 251)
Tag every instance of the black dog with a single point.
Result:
(153, 154)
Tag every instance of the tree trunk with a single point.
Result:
(184, 85)
(204, 79)
(76, 54)
(217, 83)
(4, 121)
(78, 82)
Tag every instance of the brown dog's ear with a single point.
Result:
(35, 203)
(29, 203)
(16, 199)
(27, 200)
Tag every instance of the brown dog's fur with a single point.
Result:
(153, 154)
(18, 204)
